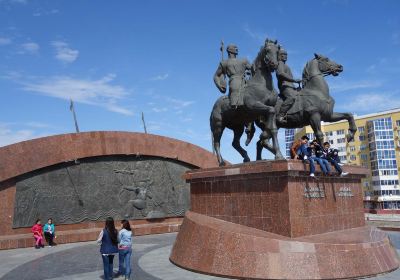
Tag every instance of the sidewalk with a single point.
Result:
(82, 261)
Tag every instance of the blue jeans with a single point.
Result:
(125, 262)
(323, 163)
(108, 266)
(336, 165)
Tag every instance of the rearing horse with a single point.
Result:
(259, 100)
(313, 104)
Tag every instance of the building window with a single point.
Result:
(360, 129)
(363, 147)
(398, 122)
(341, 140)
(352, 148)
(353, 157)
(328, 133)
(330, 142)
(364, 157)
(361, 137)
(341, 149)
(340, 132)
(343, 158)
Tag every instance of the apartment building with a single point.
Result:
(376, 146)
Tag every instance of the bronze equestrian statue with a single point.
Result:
(259, 99)
(312, 105)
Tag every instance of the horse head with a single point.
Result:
(327, 66)
(320, 66)
(271, 49)
(267, 57)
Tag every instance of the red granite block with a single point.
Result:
(237, 251)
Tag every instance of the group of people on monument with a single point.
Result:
(116, 242)
(237, 69)
(313, 152)
(43, 232)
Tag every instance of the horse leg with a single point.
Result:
(270, 126)
(345, 116)
(315, 122)
(237, 133)
(264, 143)
(250, 130)
(273, 130)
(217, 131)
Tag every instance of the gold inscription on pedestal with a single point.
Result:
(314, 192)
(345, 192)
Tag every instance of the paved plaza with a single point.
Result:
(82, 261)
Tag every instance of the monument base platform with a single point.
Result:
(213, 246)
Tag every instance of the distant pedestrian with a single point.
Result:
(108, 238)
(125, 249)
(49, 232)
(38, 234)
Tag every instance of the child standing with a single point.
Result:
(125, 249)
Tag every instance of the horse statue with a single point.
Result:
(259, 99)
(313, 104)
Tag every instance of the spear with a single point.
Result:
(222, 50)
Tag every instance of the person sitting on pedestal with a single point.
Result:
(331, 155)
(296, 145)
(308, 153)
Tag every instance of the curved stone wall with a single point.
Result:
(28, 166)
(31, 155)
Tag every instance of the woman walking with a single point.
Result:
(108, 238)
(125, 249)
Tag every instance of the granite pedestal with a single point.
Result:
(270, 220)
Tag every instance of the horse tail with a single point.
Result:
(212, 143)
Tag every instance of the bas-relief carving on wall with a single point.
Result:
(117, 186)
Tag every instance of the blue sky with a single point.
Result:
(117, 59)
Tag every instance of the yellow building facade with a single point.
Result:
(376, 146)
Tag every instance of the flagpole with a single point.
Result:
(144, 123)
(71, 107)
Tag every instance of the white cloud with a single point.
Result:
(168, 104)
(255, 35)
(5, 41)
(10, 135)
(64, 53)
(19, 1)
(159, 77)
(93, 92)
(45, 13)
(371, 102)
(330, 50)
(341, 86)
(259, 36)
(177, 103)
(31, 48)
(159, 110)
